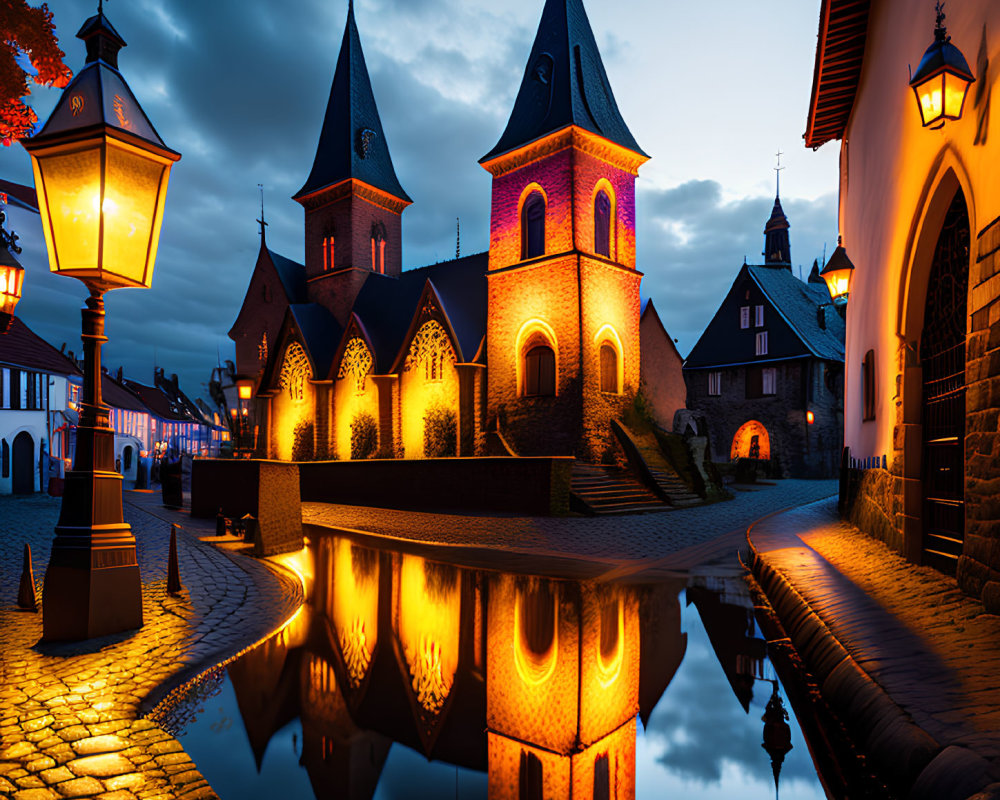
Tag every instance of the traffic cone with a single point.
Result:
(173, 572)
(26, 597)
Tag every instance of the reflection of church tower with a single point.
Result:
(563, 336)
(352, 199)
(562, 689)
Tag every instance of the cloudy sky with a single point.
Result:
(711, 90)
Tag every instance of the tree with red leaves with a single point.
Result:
(29, 32)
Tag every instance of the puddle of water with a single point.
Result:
(405, 677)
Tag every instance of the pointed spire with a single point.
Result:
(352, 143)
(564, 84)
(261, 221)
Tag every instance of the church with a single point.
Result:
(531, 348)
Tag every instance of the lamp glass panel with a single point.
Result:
(245, 391)
(10, 288)
(131, 194)
(838, 282)
(955, 88)
(931, 95)
(72, 191)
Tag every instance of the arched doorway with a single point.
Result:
(751, 441)
(942, 361)
(24, 464)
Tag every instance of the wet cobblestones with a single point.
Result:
(69, 713)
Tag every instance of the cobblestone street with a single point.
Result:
(69, 723)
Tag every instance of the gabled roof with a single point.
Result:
(21, 347)
(320, 333)
(564, 84)
(292, 275)
(117, 396)
(386, 306)
(840, 52)
(649, 310)
(157, 402)
(352, 143)
(799, 304)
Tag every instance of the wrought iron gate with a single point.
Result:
(942, 357)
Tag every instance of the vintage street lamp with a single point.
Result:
(244, 390)
(942, 79)
(11, 275)
(101, 175)
(837, 273)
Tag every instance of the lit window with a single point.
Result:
(609, 369)
(327, 253)
(762, 343)
(378, 248)
(540, 372)
(714, 384)
(868, 385)
(533, 226)
(744, 316)
(602, 224)
(769, 380)
(758, 316)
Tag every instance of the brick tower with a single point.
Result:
(563, 335)
(352, 199)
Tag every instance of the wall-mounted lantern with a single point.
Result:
(244, 386)
(837, 273)
(942, 79)
(11, 275)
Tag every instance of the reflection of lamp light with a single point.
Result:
(11, 276)
(777, 733)
(837, 272)
(101, 176)
(942, 79)
(810, 417)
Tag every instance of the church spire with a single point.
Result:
(352, 143)
(564, 84)
(777, 248)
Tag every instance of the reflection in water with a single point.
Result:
(393, 647)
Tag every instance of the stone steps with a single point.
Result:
(609, 490)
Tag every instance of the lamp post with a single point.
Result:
(837, 272)
(942, 78)
(101, 174)
(244, 390)
(11, 275)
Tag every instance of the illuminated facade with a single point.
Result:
(920, 217)
(537, 339)
(768, 370)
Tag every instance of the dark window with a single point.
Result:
(609, 369)
(868, 385)
(602, 224)
(755, 382)
(529, 779)
(602, 778)
(127, 459)
(15, 388)
(540, 371)
(533, 226)
(5, 457)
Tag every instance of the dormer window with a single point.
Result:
(533, 226)
(602, 224)
(378, 248)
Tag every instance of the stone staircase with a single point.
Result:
(610, 490)
(679, 493)
(647, 461)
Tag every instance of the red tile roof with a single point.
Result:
(22, 347)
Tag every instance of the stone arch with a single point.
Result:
(23, 464)
(608, 336)
(532, 333)
(604, 185)
(751, 441)
(293, 406)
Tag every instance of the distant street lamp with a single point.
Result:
(11, 275)
(942, 79)
(101, 174)
(837, 273)
(244, 390)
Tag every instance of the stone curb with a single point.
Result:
(905, 755)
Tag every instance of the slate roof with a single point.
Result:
(21, 347)
(564, 84)
(157, 402)
(386, 305)
(344, 151)
(117, 396)
(798, 302)
(321, 334)
(292, 275)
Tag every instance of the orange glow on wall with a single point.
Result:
(534, 665)
(751, 441)
(355, 606)
(428, 615)
(422, 388)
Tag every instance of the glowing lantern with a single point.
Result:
(810, 417)
(837, 274)
(942, 79)
(11, 281)
(245, 388)
(101, 173)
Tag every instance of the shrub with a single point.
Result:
(302, 447)
(364, 436)
(440, 432)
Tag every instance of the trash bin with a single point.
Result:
(170, 482)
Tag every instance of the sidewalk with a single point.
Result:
(909, 663)
(69, 723)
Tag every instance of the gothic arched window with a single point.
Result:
(540, 371)
(602, 224)
(533, 226)
(378, 248)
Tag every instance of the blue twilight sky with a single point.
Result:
(711, 90)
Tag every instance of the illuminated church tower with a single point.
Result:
(563, 304)
(353, 200)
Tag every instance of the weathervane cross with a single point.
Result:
(777, 173)
(263, 224)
